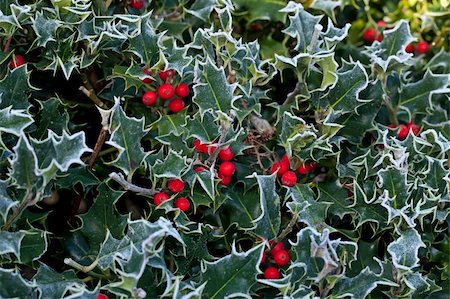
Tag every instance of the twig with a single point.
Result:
(231, 74)
(98, 146)
(84, 269)
(91, 94)
(286, 231)
(291, 96)
(29, 201)
(8, 42)
(118, 177)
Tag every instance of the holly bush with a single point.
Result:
(222, 149)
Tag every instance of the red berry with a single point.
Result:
(414, 128)
(379, 37)
(370, 35)
(16, 61)
(166, 91)
(381, 24)
(175, 185)
(149, 98)
(160, 197)
(176, 105)
(403, 131)
(182, 90)
(211, 148)
(281, 257)
(303, 168)
(224, 180)
(182, 203)
(289, 179)
(226, 154)
(166, 74)
(281, 167)
(137, 4)
(312, 166)
(285, 162)
(423, 47)
(102, 296)
(199, 146)
(271, 273)
(409, 48)
(227, 168)
(147, 72)
(200, 169)
(392, 126)
(279, 246)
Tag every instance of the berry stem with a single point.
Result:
(286, 231)
(98, 146)
(118, 177)
(91, 94)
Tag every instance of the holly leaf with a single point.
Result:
(262, 10)
(6, 201)
(52, 116)
(301, 26)
(10, 242)
(126, 135)
(24, 165)
(15, 89)
(232, 274)
(269, 222)
(395, 182)
(172, 166)
(14, 121)
(45, 28)
(52, 284)
(359, 286)
(13, 285)
(203, 127)
(102, 217)
(391, 49)
(417, 97)
(142, 234)
(344, 95)
(242, 210)
(336, 195)
(202, 9)
(295, 133)
(59, 153)
(147, 44)
(211, 89)
(34, 244)
(177, 58)
(405, 249)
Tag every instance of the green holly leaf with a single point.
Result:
(126, 135)
(395, 182)
(435, 175)
(52, 284)
(34, 244)
(269, 222)
(295, 134)
(202, 9)
(309, 211)
(147, 44)
(15, 89)
(329, 67)
(24, 165)
(6, 201)
(242, 210)
(232, 274)
(13, 285)
(211, 89)
(392, 48)
(171, 123)
(143, 235)
(405, 249)
(417, 97)
(327, 6)
(301, 26)
(52, 116)
(440, 63)
(172, 166)
(102, 217)
(359, 286)
(14, 121)
(206, 180)
(336, 195)
(45, 28)
(10, 242)
(177, 58)
(344, 95)
(262, 10)
(59, 153)
(203, 127)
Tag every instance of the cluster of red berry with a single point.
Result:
(16, 61)
(226, 168)
(403, 130)
(166, 91)
(288, 177)
(372, 34)
(175, 186)
(137, 4)
(281, 258)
